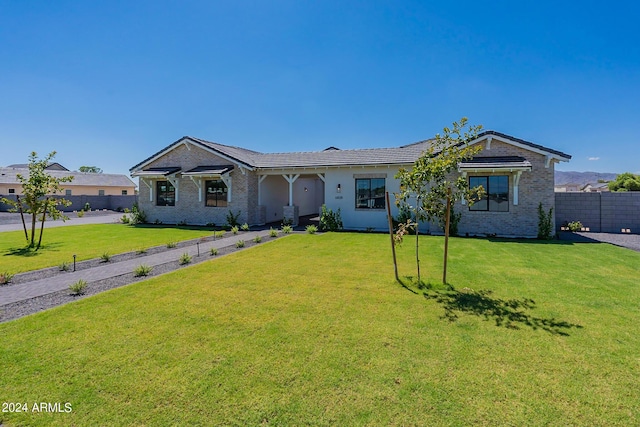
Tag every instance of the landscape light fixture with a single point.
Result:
(339, 188)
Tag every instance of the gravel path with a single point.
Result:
(629, 241)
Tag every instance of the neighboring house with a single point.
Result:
(200, 182)
(55, 166)
(595, 187)
(567, 188)
(83, 184)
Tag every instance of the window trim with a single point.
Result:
(371, 200)
(225, 200)
(159, 193)
(487, 198)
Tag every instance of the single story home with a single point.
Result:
(83, 183)
(199, 182)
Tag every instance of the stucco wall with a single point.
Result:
(345, 200)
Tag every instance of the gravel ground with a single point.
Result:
(629, 241)
(35, 305)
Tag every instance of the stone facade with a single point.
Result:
(189, 208)
(535, 186)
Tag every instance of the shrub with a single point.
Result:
(105, 257)
(257, 239)
(182, 223)
(80, 213)
(286, 229)
(329, 220)
(78, 288)
(64, 266)
(244, 227)
(142, 270)
(575, 226)
(138, 216)
(142, 251)
(214, 251)
(185, 258)
(171, 245)
(232, 219)
(240, 244)
(311, 229)
(5, 278)
(125, 219)
(273, 233)
(287, 221)
(234, 229)
(218, 234)
(545, 223)
(87, 206)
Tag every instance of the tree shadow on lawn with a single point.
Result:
(27, 252)
(507, 313)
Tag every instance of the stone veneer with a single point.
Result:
(536, 186)
(188, 209)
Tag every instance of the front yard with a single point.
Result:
(87, 242)
(314, 330)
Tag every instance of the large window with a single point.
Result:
(496, 188)
(370, 193)
(165, 194)
(216, 193)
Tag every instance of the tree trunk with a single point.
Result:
(33, 227)
(393, 244)
(44, 216)
(446, 237)
(24, 224)
(417, 252)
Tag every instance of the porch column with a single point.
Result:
(291, 179)
(142, 180)
(516, 183)
(260, 179)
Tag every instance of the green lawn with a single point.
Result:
(314, 330)
(86, 242)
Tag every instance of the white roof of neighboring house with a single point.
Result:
(9, 176)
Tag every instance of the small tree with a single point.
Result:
(434, 183)
(38, 191)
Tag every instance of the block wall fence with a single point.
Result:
(601, 212)
(96, 202)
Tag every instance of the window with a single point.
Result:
(12, 191)
(100, 192)
(216, 193)
(67, 192)
(165, 194)
(496, 198)
(370, 193)
(124, 192)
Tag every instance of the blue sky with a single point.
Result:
(108, 83)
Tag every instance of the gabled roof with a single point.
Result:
(539, 148)
(51, 166)
(333, 157)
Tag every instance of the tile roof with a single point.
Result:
(495, 162)
(330, 157)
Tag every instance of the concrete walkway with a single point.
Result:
(62, 281)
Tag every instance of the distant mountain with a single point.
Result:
(582, 178)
